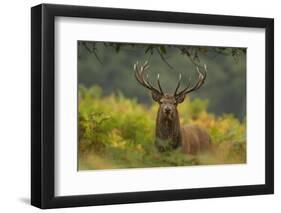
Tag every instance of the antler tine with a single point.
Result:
(159, 85)
(140, 76)
(203, 76)
(149, 82)
(137, 74)
(152, 87)
(145, 64)
(198, 84)
(178, 85)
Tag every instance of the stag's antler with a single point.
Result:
(201, 79)
(143, 79)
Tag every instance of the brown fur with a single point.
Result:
(170, 135)
(194, 139)
(167, 131)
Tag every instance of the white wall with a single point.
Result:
(15, 105)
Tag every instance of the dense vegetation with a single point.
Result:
(118, 132)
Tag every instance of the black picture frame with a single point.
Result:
(43, 102)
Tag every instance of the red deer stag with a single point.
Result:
(169, 133)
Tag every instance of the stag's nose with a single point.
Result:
(167, 110)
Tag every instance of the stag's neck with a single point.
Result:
(167, 129)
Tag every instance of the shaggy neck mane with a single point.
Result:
(168, 129)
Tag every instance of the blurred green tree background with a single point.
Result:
(110, 66)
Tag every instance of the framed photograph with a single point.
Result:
(139, 106)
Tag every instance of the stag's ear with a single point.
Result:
(156, 96)
(180, 98)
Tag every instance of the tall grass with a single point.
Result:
(117, 132)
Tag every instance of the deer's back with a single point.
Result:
(194, 139)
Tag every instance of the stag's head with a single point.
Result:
(167, 101)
